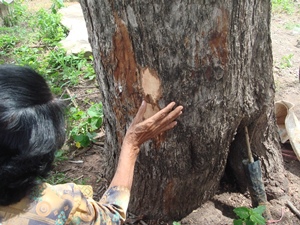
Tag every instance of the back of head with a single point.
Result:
(31, 129)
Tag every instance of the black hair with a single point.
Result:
(32, 128)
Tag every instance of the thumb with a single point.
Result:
(140, 114)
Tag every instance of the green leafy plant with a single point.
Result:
(50, 30)
(27, 56)
(60, 155)
(89, 72)
(286, 61)
(249, 216)
(15, 13)
(57, 178)
(7, 42)
(56, 5)
(62, 68)
(85, 124)
(176, 223)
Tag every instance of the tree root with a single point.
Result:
(293, 209)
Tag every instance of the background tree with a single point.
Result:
(214, 58)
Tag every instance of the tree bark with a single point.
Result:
(214, 58)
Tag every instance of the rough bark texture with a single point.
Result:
(4, 11)
(214, 58)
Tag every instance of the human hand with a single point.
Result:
(138, 132)
(142, 130)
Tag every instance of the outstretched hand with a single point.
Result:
(138, 132)
(142, 130)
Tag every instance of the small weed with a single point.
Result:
(7, 42)
(80, 180)
(56, 5)
(89, 72)
(286, 61)
(85, 124)
(249, 216)
(60, 155)
(57, 178)
(70, 67)
(176, 223)
(8, 30)
(27, 56)
(50, 30)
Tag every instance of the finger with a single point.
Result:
(163, 112)
(139, 116)
(171, 116)
(168, 122)
(169, 126)
(174, 114)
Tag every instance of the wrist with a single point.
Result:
(129, 150)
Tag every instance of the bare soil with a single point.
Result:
(219, 210)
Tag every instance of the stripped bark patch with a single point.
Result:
(125, 73)
(218, 39)
(152, 90)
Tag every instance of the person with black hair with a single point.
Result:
(32, 128)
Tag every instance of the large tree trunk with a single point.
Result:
(214, 58)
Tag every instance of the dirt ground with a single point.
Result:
(219, 210)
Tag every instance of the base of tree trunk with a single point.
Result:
(212, 57)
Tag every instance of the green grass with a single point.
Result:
(60, 156)
(57, 177)
(15, 15)
(7, 43)
(293, 26)
(284, 6)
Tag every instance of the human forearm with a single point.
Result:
(138, 132)
(125, 168)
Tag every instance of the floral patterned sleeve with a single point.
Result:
(68, 204)
(110, 210)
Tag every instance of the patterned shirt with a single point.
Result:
(68, 204)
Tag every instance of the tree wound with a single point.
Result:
(151, 87)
